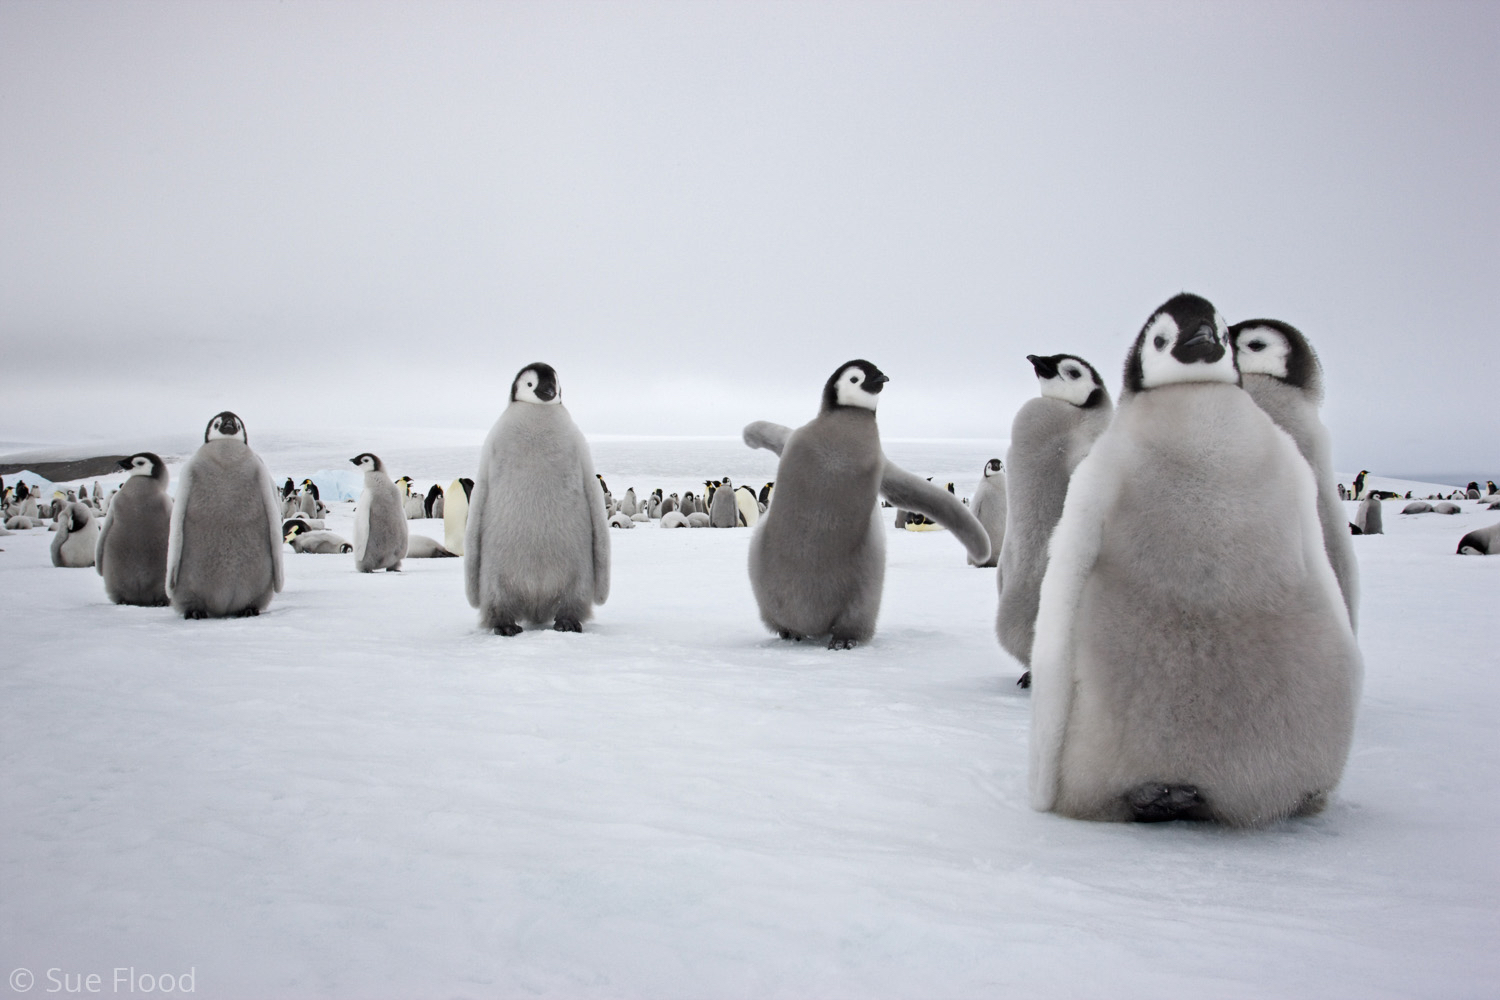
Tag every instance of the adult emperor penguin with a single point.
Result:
(817, 557)
(537, 545)
(456, 514)
(380, 531)
(1193, 656)
(748, 506)
(1358, 492)
(432, 506)
(1048, 438)
(132, 554)
(989, 507)
(224, 549)
(1281, 372)
(77, 536)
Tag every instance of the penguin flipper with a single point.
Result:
(1071, 556)
(474, 533)
(764, 434)
(175, 531)
(911, 492)
(599, 522)
(273, 522)
(99, 545)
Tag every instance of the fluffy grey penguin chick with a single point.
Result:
(817, 557)
(1193, 657)
(1481, 542)
(224, 549)
(132, 555)
(422, 547)
(380, 532)
(77, 536)
(537, 544)
(723, 511)
(989, 506)
(1281, 372)
(1368, 518)
(1048, 438)
(304, 539)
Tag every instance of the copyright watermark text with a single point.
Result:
(123, 979)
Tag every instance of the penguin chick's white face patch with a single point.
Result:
(1171, 355)
(366, 462)
(140, 465)
(992, 468)
(1074, 382)
(226, 425)
(856, 386)
(537, 384)
(1261, 350)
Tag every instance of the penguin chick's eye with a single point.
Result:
(1072, 372)
(1256, 345)
(1160, 342)
(854, 379)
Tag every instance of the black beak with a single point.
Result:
(1045, 367)
(1202, 346)
(876, 382)
(125, 463)
(353, 461)
(546, 393)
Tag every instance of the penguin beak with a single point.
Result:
(546, 393)
(124, 463)
(353, 461)
(1202, 346)
(1044, 367)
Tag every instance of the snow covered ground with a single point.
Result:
(360, 794)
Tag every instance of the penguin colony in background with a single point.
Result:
(1176, 573)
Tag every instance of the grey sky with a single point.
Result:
(340, 214)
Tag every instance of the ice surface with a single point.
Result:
(361, 794)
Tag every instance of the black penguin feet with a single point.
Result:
(786, 634)
(1157, 803)
(838, 643)
(195, 614)
(1024, 681)
(250, 613)
(508, 629)
(568, 625)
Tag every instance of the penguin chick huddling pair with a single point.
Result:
(1194, 658)
(817, 557)
(537, 546)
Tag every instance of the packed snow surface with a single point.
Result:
(361, 794)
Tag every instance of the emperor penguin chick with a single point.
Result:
(989, 505)
(380, 531)
(132, 554)
(537, 544)
(77, 536)
(224, 548)
(1048, 438)
(1193, 656)
(817, 557)
(1281, 372)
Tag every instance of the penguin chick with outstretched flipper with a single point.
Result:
(224, 549)
(817, 557)
(537, 544)
(1049, 436)
(1281, 372)
(380, 530)
(1193, 655)
(989, 506)
(132, 554)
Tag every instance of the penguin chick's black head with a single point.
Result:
(1271, 347)
(536, 383)
(1185, 340)
(226, 425)
(374, 464)
(292, 529)
(992, 466)
(855, 384)
(145, 463)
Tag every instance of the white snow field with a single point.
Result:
(360, 794)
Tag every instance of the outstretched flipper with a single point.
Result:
(473, 532)
(599, 524)
(911, 492)
(764, 434)
(270, 498)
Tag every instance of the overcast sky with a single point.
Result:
(352, 214)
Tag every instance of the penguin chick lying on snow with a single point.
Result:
(422, 547)
(305, 539)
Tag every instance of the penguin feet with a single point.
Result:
(250, 613)
(568, 625)
(195, 614)
(1158, 803)
(508, 629)
(786, 634)
(1024, 681)
(838, 643)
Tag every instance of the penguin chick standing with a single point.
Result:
(132, 555)
(1048, 438)
(224, 549)
(989, 507)
(1193, 656)
(380, 531)
(537, 544)
(77, 536)
(817, 557)
(1280, 371)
